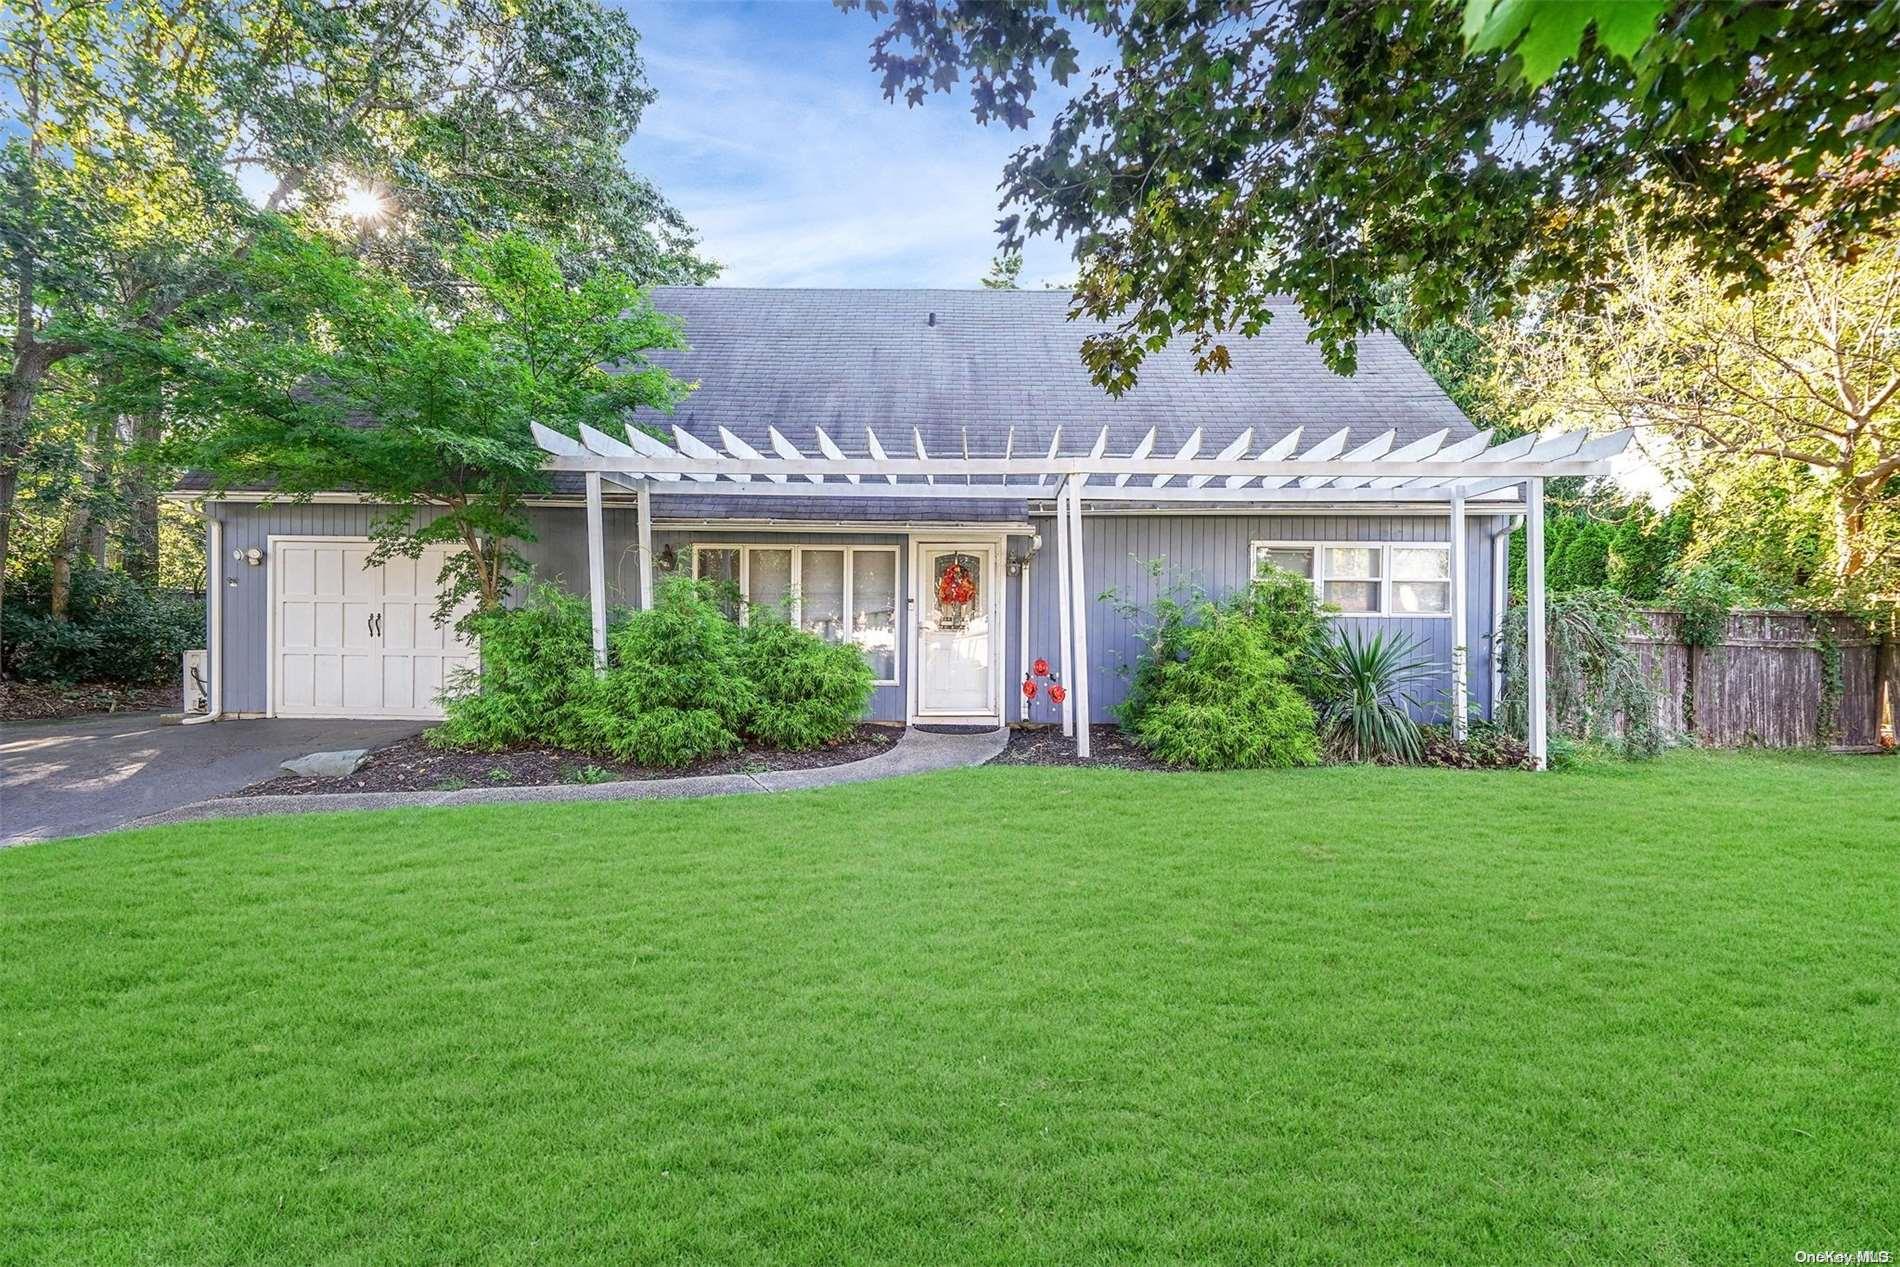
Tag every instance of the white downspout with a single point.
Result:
(1022, 639)
(214, 607)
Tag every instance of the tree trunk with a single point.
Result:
(1850, 531)
(141, 495)
(16, 407)
(71, 534)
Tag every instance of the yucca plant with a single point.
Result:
(1365, 703)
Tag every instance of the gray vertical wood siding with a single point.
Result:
(1209, 550)
(1214, 552)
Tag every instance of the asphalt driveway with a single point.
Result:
(71, 778)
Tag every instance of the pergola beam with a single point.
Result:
(996, 468)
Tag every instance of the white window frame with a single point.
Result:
(798, 549)
(1255, 549)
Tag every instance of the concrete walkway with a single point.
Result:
(72, 778)
(916, 752)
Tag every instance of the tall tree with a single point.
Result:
(151, 137)
(1802, 375)
(340, 376)
(1227, 150)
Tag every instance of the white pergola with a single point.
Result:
(1429, 472)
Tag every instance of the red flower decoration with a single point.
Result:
(1042, 667)
(1057, 692)
(1029, 689)
(956, 586)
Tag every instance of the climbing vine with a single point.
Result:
(1827, 721)
(1704, 597)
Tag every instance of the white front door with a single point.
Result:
(958, 631)
(351, 640)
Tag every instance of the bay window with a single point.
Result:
(837, 593)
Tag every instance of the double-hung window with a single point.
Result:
(837, 593)
(1366, 579)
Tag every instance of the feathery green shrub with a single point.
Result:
(806, 691)
(674, 692)
(1225, 703)
(537, 662)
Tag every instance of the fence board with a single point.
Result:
(1762, 685)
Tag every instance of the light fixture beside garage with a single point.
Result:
(252, 556)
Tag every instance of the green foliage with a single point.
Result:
(1644, 549)
(1278, 609)
(1545, 33)
(683, 683)
(131, 210)
(1365, 697)
(116, 631)
(807, 691)
(675, 692)
(1599, 691)
(1225, 704)
(1705, 597)
(343, 378)
(537, 665)
(1201, 186)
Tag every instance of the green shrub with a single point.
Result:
(675, 693)
(116, 630)
(807, 691)
(1225, 703)
(1365, 701)
(537, 662)
(1277, 609)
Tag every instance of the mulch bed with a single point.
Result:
(1046, 745)
(412, 765)
(38, 701)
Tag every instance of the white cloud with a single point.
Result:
(772, 136)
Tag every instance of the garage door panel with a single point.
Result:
(298, 626)
(399, 627)
(329, 572)
(326, 681)
(399, 683)
(360, 580)
(299, 576)
(400, 578)
(293, 681)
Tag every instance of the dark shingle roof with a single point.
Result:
(845, 360)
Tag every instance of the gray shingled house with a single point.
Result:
(849, 450)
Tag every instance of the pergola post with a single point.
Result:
(597, 571)
(1079, 615)
(1536, 686)
(1065, 627)
(1460, 631)
(643, 502)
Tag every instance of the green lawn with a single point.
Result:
(1624, 1014)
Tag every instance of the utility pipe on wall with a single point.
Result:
(214, 618)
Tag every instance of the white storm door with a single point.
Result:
(956, 631)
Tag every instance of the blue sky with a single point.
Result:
(772, 135)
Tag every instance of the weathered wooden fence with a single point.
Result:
(1777, 679)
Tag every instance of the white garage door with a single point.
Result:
(351, 640)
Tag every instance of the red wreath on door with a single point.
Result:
(956, 586)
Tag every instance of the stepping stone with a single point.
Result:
(328, 765)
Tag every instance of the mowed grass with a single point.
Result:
(1626, 1014)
